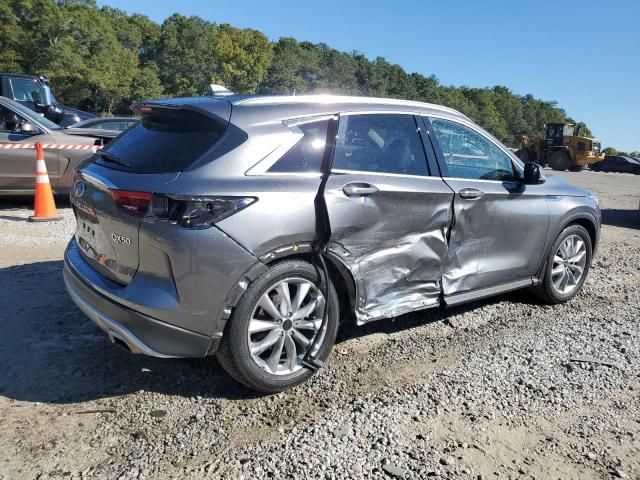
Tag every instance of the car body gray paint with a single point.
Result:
(401, 258)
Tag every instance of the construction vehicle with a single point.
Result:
(562, 148)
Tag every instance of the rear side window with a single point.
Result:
(383, 143)
(306, 155)
(164, 142)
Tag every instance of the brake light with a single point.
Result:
(133, 203)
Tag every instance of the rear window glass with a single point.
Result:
(164, 142)
(306, 155)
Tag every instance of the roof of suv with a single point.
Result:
(292, 106)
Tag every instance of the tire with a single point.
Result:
(559, 160)
(234, 352)
(576, 168)
(548, 289)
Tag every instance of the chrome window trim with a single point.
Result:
(467, 123)
(479, 180)
(383, 174)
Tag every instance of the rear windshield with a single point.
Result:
(164, 142)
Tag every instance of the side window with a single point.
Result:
(469, 154)
(383, 143)
(306, 155)
(8, 120)
(27, 90)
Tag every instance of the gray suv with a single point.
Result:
(248, 227)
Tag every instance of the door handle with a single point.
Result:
(358, 189)
(471, 193)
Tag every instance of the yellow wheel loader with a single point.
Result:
(562, 148)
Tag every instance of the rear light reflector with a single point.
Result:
(133, 203)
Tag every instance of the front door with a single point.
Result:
(389, 215)
(500, 224)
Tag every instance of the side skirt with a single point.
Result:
(458, 298)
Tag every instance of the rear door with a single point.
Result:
(389, 213)
(18, 166)
(500, 224)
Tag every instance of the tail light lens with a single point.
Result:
(197, 212)
(133, 203)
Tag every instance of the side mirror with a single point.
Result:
(26, 128)
(533, 174)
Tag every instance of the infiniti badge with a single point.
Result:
(79, 188)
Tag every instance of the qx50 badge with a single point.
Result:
(121, 239)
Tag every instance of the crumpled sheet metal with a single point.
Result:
(400, 276)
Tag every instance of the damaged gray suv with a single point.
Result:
(247, 227)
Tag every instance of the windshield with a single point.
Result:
(30, 115)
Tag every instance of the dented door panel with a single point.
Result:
(497, 237)
(394, 241)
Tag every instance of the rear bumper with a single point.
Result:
(138, 332)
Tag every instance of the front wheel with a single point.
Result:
(567, 266)
(576, 168)
(275, 323)
(559, 160)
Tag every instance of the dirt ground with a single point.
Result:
(504, 388)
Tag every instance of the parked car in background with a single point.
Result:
(118, 124)
(34, 92)
(203, 229)
(20, 125)
(617, 163)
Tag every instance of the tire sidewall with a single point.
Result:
(555, 296)
(236, 334)
(560, 160)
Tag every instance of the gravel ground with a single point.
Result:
(504, 388)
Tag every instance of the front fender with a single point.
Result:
(564, 211)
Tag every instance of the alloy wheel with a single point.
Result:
(568, 264)
(284, 324)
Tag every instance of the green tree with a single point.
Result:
(242, 58)
(185, 55)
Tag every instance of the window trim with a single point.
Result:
(428, 152)
(515, 162)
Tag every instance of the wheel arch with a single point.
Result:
(339, 274)
(582, 218)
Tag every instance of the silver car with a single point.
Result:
(248, 227)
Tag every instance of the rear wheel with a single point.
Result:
(577, 168)
(567, 266)
(275, 323)
(559, 160)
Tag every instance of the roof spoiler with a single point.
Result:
(216, 109)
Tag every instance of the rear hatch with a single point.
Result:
(112, 192)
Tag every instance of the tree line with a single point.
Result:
(103, 59)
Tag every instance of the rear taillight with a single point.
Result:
(133, 203)
(197, 212)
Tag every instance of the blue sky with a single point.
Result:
(587, 57)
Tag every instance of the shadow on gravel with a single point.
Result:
(621, 218)
(26, 202)
(50, 352)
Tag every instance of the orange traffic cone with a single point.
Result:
(45, 207)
